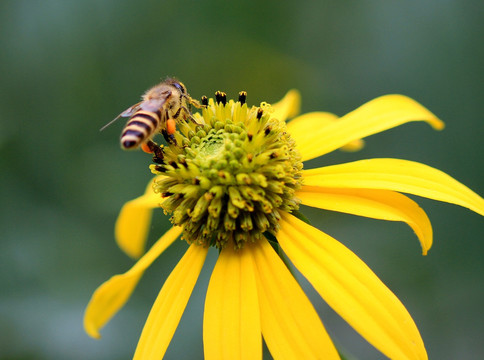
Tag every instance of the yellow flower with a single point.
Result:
(236, 183)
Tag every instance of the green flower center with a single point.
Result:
(226, 180)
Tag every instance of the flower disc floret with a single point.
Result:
(231, 176)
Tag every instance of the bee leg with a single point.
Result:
(158, 155)
(196, 103)
(170, 138)
(156, 150)
(194, 121)
(190, 116)
(193, 102)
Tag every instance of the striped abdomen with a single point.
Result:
(139, 128)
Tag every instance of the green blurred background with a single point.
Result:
(69, 67)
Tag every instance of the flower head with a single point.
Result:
(233, 175)
(235, 180)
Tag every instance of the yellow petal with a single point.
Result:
(170, 304)
(376, 204)
(288, 106)
(231, 321)
(132, 225)
(303, 125)
(397, 175)
(373, 117)
(113, 294)
(290, 325)
(353, 146)
(351, 289)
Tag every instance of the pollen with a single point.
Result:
(230, 174)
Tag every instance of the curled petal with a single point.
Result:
(351, 289)
(303, 125)
(375, 116)
(353, 146)
(231, 320)
(113, 294)
(290, 325)
(397, 175)
(376, 204)
(131, 229)
(288, 106)
(170, 304)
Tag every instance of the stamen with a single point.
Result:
(221, 97)
(259, 113)
(242, 97)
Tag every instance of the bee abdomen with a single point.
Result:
(139, 128)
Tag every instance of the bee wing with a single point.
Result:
(126, 113)
(156, 104)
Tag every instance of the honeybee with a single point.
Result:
(161, 107)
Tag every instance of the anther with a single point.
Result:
(183, 162)
(221, 97)
(158, 160)
(267, 130)
(242, 97)
(259, 113)
(204, 100)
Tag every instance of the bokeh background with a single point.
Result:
(69, 67)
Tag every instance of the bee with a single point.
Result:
(161, 107)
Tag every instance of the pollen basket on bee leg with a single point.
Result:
(170, 126)
(146, 148)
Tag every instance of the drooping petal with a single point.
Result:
(170, 304)
(397, 175)
(301, 126)
(290, 325)
(351, 289)
(131, 229)
(231, 321)
(113, 294)
(288, 106)
(376, 204)
(373, 117)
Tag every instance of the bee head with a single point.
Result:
(178, 84)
